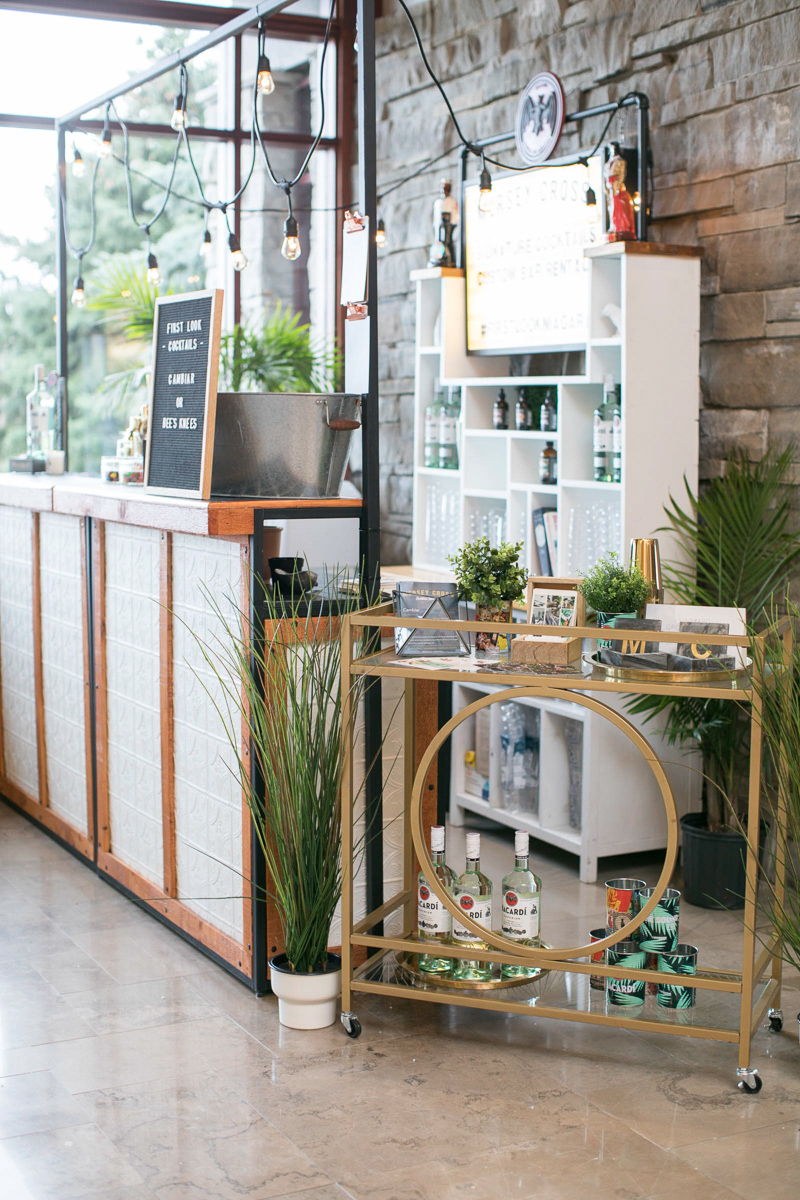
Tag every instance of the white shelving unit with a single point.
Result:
(654, 358)
(619, 809)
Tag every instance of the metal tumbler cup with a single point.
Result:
(680, 961)
(622, 902)
(659, 931)
(598, 982)
(626, 992)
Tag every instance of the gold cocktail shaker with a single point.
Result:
(645, 556)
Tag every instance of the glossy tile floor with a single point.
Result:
(132, 1068)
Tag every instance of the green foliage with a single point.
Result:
(278, 356)
(778, 688)
(489, 576)
(121, 291)
(298, 725)
(737, 532)
(611, 587)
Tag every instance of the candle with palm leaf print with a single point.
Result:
(659, 932)
(625, 993)
(680, 961)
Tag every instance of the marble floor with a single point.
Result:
(132, 1068)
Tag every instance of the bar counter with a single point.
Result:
(108, 736)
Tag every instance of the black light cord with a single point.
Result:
(144, 225)
(79, 252)
(218, 204)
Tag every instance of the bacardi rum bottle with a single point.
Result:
(434, 923)
(522, 893)
(473, 894)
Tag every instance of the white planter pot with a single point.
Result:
(309, 1001)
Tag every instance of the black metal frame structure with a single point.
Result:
(234, 23)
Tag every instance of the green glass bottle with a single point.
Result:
(521, 905)
(473, 893)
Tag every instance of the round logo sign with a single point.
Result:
(423, 893)
(466, 902)
(540, 117)
(511, 899)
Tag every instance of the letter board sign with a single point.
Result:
(183, 394)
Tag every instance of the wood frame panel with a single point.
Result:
(166, 680)
(100, 685)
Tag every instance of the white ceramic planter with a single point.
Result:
(306, 1001)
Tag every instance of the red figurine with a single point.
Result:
(621, 213)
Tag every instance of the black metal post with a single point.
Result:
(370, 442)
(258, 865)
(62, 345)
(643, 139)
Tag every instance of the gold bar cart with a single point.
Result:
(754, 989)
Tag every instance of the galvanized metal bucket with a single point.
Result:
(282, 445)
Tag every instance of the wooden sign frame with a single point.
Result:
(203, 491)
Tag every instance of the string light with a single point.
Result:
(380, 234)
(78, 293)
(153, 273)
(485, 189)
(78, 165)
(291, 247)
(179, 121)
(105, 144)
(637, 202)
(205, 246)
(237, 254)
(265, 84)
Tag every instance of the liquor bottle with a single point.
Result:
(602, 433)
(448, 431)
(500, 411)
(432, 420)
(40, 417)
(548, 415)
(522, 895)
(524, 413)
(473, 893)
(616, 440)
(548, 464)
(434, 922)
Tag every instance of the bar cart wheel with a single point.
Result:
(749, 1080)
(352, 1025)
(775, 1016)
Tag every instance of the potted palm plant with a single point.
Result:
(613, 590)
(285, 691)
(491, 578)
(739, 550)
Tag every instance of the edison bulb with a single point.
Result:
(485, 200)
(266, 84)
(205, 245)
(178, 121)
(291, 248)
(380, 234)
(105, 145)
(153, 273)
(240, 260)
(78, 294)
(78, 165)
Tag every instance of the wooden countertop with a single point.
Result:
(85, 496)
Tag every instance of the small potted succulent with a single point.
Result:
(614, 590)
(491, 578)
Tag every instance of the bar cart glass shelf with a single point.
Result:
(731, 1004)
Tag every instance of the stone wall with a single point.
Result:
(723, 77)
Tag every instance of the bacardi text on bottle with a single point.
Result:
(522, 894)
(434, 923)
(473, 894)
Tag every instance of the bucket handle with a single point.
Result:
(340, 424)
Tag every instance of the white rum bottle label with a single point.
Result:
(478, 908)
(520, 916)
(432, 916)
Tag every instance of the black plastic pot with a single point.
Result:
(713, 865)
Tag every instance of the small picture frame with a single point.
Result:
(551, 602)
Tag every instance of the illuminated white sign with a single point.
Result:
(527, 278)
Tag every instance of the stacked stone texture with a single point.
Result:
(723, 78)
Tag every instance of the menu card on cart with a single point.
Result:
(183, 394)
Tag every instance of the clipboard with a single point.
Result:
(355, 266)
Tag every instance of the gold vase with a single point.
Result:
(645, 555)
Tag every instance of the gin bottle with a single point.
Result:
(616, 440)
(522, 894)
(40, 417)
(448, 432)
(434, 923)
(473, 894)
(603, 433)
(433, 414)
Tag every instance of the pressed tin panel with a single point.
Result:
(63, 667)
(208, 798)
(16, 649)
(133, 701)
